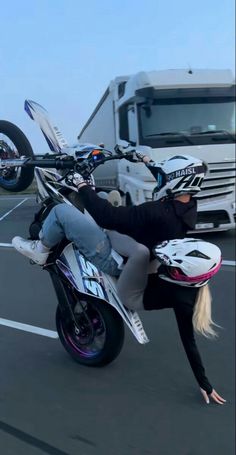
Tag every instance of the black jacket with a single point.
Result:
(148, 223)
(160, 294)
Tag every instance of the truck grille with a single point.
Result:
(216, 217)
(219, 181)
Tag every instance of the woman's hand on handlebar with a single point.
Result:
(136, 157)
(126, 151)
(78, 181)
(143, 158)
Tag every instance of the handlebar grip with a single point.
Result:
(50, 163)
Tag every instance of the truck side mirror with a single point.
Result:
(148, 110)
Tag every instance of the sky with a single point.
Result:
(63, 53)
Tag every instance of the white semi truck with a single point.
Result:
(170, 112)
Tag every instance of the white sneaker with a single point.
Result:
(30, 249)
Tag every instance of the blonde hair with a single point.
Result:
(202, 321)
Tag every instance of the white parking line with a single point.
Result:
(29, 328)
(224, 262)
(232, 263)
(10, 211)
(8, 198)
(6, 245)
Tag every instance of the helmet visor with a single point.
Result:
(178, 275)
(160, 179)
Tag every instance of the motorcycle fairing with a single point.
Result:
(46, 181)
(54, 137)
(52, 134)
(88, 280)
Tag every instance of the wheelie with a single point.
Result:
(90, 316)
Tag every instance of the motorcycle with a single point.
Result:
(90, 316)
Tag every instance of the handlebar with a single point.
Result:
(84, 166)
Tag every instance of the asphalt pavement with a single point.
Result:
(146, 402)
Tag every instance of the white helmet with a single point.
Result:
(190, 262)
(177, 175)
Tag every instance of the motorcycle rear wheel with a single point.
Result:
(14, 144)
(101, 337)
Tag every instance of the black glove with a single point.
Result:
(134, 157)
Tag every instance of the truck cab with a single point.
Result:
(167, 113)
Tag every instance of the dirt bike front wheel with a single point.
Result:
(14, 144)
(101, 335)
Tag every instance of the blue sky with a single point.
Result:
(63, 53)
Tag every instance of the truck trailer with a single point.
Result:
(167, 113)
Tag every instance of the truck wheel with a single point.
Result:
(14, 144)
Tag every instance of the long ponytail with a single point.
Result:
(202, 321)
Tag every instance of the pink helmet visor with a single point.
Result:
(178, 276)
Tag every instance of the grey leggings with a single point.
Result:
(96, 245)
(133, 278)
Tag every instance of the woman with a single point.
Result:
(132, 231)
(181, 283)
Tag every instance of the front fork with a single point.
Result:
(64, 303)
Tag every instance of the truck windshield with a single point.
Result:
(185, 121)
